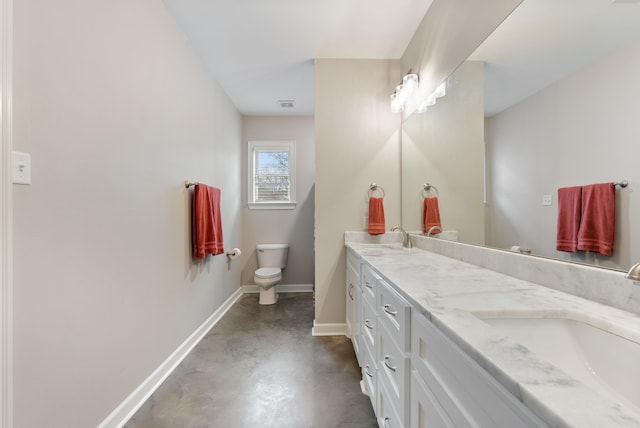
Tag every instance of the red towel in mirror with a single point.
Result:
(207, 222)
(376, 216)
(569, 212)
(597, 227)
(431, 215)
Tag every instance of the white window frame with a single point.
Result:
(288, 146)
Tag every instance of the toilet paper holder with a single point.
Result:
(234, 253)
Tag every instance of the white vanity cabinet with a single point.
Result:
(414, 374)
(448, 385)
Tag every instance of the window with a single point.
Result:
(271, 167)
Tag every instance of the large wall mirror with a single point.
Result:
(551, 99)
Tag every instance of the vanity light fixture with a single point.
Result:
(403, 91)
(634, 272)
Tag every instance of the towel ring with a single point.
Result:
(426, 187)
(372, 189)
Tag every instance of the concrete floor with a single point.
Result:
(260, 367)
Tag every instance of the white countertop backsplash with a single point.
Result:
(447, 281)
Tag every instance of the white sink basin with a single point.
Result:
(605, 361)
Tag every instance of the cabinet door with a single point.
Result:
(369, 284)
(394, 312)
(370, 378)
(467, 393)
(425, 409)
(350, 302)
(393, 371)
(386, 412)
(368, 325)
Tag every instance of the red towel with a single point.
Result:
(569, 209)
(597, 228)
(207, 222)
(376, 216)
(431, 215)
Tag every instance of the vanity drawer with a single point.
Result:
(394, 371)
(370, 377)
(468, 394)
(386, 412)
(369, 284)
(394, 312)
(425, 409)
(369, 326)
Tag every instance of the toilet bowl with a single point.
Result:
(272, 258)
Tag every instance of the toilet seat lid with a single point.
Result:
(268, 272)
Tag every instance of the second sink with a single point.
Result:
(603, 360)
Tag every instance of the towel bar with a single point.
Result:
(188, 184)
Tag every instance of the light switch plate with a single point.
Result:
(21, 168)
(547, 200)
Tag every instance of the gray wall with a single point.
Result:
(583, 129)
(357, 142)
(294, 227)
(116, 111)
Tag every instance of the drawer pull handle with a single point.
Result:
(366, 371)
(386, 422)
(387, 309)
(368, 284)
(367, 324)
(350, 290)
(387, 362)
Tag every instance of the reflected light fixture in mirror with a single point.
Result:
(440, 91)
(403, 91)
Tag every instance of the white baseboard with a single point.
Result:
(281, 288)
(136, 399)
(329, 329)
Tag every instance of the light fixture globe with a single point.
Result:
(410, 82)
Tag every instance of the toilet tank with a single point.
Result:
(272, 255)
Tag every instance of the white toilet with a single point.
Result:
(272, 258)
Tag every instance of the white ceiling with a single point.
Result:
(262, 51)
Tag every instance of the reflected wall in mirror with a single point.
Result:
(561, 108)
(444, 147)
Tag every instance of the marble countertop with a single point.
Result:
(448, 291)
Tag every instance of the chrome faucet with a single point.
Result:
(406, 242)
(431, 229)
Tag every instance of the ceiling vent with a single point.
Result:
(286, 103)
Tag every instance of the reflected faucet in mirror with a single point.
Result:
(406, 242)
(432, 228)
(634, 273)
